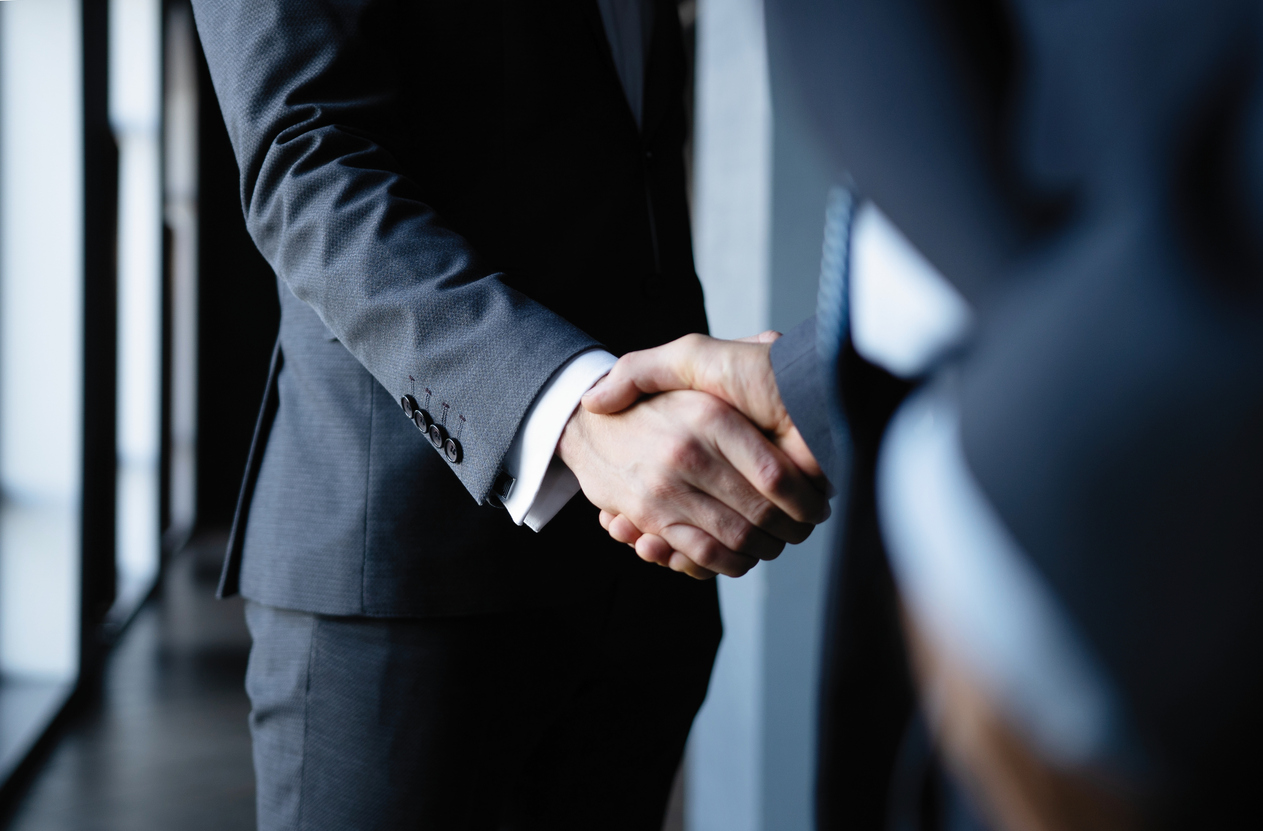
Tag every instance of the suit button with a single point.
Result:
(437, 435)
(409, 405)
(452, 449)
(422, 419)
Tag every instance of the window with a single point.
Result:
(42, 409)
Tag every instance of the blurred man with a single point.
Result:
(1069, 503)
(462, 203)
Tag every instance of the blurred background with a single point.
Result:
(136, 324)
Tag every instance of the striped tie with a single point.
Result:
(832, 303)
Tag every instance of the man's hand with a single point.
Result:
(738, 373)
(697, 476)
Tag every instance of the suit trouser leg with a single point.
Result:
(568, 717)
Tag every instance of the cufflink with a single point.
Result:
(503, 486)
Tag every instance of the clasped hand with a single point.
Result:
(707, 475)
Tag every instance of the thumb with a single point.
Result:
(770, 336)
(614, 393)
(642, 373)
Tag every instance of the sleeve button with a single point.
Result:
(422, 419)
(452, 449)
(409, 405)
(437, 435)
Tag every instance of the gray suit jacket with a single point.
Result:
(456, 200)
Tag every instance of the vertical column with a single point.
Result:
(759, 210)
(181, 154)
(135, 116)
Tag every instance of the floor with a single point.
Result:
(166, 748)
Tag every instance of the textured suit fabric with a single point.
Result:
(456, 200)
(800, 373)
(570, 717)
(1090, 175)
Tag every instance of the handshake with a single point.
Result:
(708, 475)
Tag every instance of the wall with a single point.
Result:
(760, 192)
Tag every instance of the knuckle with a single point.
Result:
(646, 513)
(710, 409)
(764, 513)
(691, 340)
(772, 476)
(742, 536)
(706, 554)
(684, 453)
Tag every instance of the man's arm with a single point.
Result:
(542, 484)
(308, 100)
(307, 93)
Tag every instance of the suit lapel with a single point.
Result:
(663, 65)
(597, 27)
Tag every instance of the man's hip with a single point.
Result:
(561, 717)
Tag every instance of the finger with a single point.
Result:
(667, 367)
(683, 564)
(770, 336)
(728, 527)
(653, 549)
(732, 530)
(740, 468)
(623, 530)
(606, 518)
(773, 476)
(727, 505)
(792, 444)
(705, 552)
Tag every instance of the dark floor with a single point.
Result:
(166, 748)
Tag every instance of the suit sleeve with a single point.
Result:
(309, 102)
(801, 383)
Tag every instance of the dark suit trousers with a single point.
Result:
(558, 718)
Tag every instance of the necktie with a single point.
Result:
(832, 306)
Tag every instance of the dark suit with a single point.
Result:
(1090, 176)
(456, 199)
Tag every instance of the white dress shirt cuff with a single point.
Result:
(543, 484)
(905, 315)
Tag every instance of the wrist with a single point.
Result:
(572, 446)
